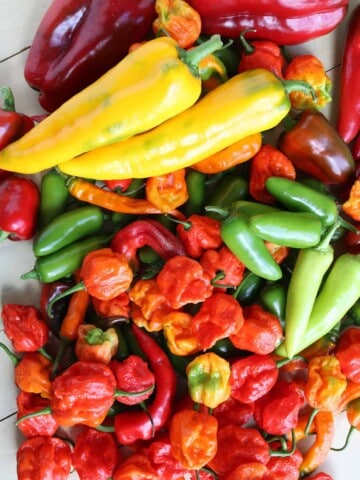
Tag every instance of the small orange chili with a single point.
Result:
(179, 335)
(269, 161)
(75, 313)
(310, 69)
(167, 192)
(352, 205)
(179, 20)
(231, 156)
(96, 345)
(32, 374)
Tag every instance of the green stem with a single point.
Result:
(75, 288)
(298, 86)
(105, 428)
(281, 363)
(43, 411)
(8, 97)
(193, 57)
(347, 439)
(284, 452)
(44, 353)
(248, 48)
(223, 212)
(4, 235)
(10, 354)
(186, 225)
(124, 393)
(310, 420)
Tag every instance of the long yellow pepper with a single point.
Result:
(248, 103)
(150, 85)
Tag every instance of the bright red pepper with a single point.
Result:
(78, 41)
(19, 205)
(198, 234)
(347, 352)
(223, 267)
(348, 122)
(231, 411)
(284, 467)
(44, 425)
(120, 185)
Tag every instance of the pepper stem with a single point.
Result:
(347, 439)
(223, 212)
(8, 97)
(32, 275)
(248, 48)
(3, 235)
(75, 288)
(286, 453)
(193, 57)
(281, 363)
(310, 420)
(124, 393)
(10, 354)
(298, 86)
(43, 411)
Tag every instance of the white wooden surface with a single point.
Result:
(18, 22)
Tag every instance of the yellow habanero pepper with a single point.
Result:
(248, 103)
(150, 85)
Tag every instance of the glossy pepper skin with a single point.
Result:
(76, 42)
(44, 425)
(315, 147)
(348, 122)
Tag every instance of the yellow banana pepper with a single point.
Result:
(248, 103)
(150, 85)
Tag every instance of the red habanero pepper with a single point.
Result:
(118, 306)
(223, 267)
(261, 332)
(32, 374)
(347, 351)
(219, 316)
(43, 457)
(136, 466)
(132, 375)
(261, 54)
(250, 471)
(148, 232)
(199, 233)
(182, 280)
(284, 467)
(269, 161)
(348, 122)
(167, 192)
(252, 377)
(44, 425)
(19, 205)
(139, 425)
(120, 185)
(24, 327)
(95, 454)
(96, 345)
(231, 411)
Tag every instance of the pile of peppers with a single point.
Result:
(199, 310)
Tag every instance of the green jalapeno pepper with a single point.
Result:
(54, 195)
(272, 297)
(229, 189)
(196, 186)
(249, 288)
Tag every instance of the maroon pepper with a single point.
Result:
(19, 205)
(77, 41)
(348, 122)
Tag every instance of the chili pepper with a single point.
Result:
(193, 438)
(353, 417)
(53, 197)
(229, 189)
(238, 445)
(199, 233)
(309, 69)
(289, 229)
(132, 375)
(179, 20)
(298, 197)
(321, 476)
(223, 267)
(76, 43)
(119, 185)
(95, 345)
(19, 204)
(43, 425)
(24, 327)
(233, 412)
(277, 411)
(285, 467)
(249, 288)
(47, 293)
(260, 333)
(352, 392)
(235, 154)
(13, 124)
(208, 378)
(348, 121)
(179, 334)
(277, 22)
(247, 471)
(219, 316)
(163, 68)
(41, 457)
(347, 352)
(186, 145)
(314, 147)
(196, 187)
(355, 149)
(261, 54)
(167, 192)
(118, 306)
(248, 248)
(269, 161)
(32, 374)
(135, 425)
(182, 280)
(66, 261)
(212, 72)
(351, 205)
(273, 297)
(95, 454)
(67, 228)
(137, 465)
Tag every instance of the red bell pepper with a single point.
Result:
(348, 122)
(78, 41)
(19, 205)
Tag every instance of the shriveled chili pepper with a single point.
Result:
(237, 153)
(260, 333)
(96, 345)
(118, 306)
(347, 351)
(261, 54)
(208, 378)
(223, 267)
(309, 68)
(269, 161)
(138, 425)
(32, 374)
(95, 454)
(167, 192)
(41, 457)
(43, 425)
(179, 20)
(348, 121)
(19, 205)
(24, 327)
(314, 147)
(53, 197)
(219, 316)
(352, 205)
(199, 233)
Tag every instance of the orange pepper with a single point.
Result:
(278, 252)
(179, 336)
(231, 156)
(352, 205)
(32, 374)
(212, 72)
(96, 345)
(248, 471)
(179, 20)
(167, 192)
(115, 307)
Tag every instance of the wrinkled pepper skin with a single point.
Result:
(78, 41)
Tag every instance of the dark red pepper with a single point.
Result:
(78, 41)
(348, 122)
(59, 309)
(19, 205)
